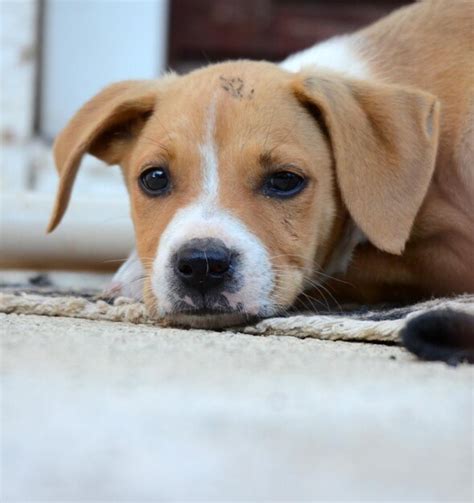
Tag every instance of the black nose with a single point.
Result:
(203, 264)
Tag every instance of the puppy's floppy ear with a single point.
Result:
(384, 140)
(104, 127)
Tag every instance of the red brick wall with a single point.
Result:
(212, 30)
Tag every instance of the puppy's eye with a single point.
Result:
(155, 181)
(283, 184)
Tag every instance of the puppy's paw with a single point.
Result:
(128, 281)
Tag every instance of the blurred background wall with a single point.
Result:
(56, 54)
(203, 31)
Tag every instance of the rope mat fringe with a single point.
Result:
(382, 324)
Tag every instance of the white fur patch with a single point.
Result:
(336, 54)
(209, 161)
(128, 280)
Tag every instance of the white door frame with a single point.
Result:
(76, 36)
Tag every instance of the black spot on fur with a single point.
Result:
(235, 86)
(442, 335)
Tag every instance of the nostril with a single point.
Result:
(218, 267)
(185, 269)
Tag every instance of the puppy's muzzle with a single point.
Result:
(204, 266)
(218, 275)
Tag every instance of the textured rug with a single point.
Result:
(382, 323)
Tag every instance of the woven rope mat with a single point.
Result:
(380, 324)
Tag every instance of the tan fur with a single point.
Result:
(367, 148)
(428, 46)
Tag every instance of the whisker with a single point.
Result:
(318, 272)
(109, 261)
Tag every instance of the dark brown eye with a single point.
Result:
(155, 181)
(283, 184)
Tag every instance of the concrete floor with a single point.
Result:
(110, 411)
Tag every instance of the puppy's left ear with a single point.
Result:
(384, 140)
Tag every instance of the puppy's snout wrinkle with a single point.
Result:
(203, 264)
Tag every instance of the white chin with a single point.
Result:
(209, 321)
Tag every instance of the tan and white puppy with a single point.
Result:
(347, 169)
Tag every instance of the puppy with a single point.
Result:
(345, 171)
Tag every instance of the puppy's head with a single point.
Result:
(241, 176)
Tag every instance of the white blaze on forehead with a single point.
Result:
(209, 160)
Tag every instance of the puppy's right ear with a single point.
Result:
(103, 127)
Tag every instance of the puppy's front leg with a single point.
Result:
(128, 280)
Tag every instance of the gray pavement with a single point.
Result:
(103, 411)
